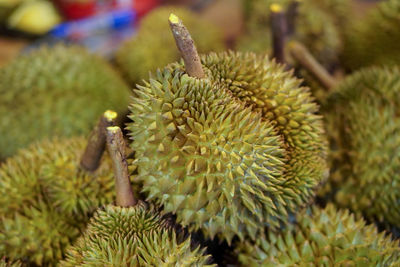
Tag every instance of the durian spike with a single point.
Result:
(116, 149)
(307, 61)
(291, 15)
(279, 29)
(186, 47)
(96, 144)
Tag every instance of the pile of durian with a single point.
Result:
(282, 151)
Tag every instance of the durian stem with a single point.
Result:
(291, 15)
(96, 144)
(186, 47)
(307, 61)
(279, 28)
(116, 148)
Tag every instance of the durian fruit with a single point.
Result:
(231, 152)
(46, 199)
(54, 92)
(5, 263)
(153, 46)
(364, 126)
(131, 233)
(374, 39)
(318, 25)
(323, 237)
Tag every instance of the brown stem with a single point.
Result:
(186, 47)
(279, 27)
(307, 61)
(116, 148)
(96, 144)
(291, 15)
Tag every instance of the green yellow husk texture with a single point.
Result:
(154, 46)
(323, 237)
(374, 39)
(364, 127)
(231, 153)
(46, 200)
(134, 236)
(54, 92)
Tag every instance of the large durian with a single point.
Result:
(374, 39)
(323, 237)
(154, 47)
(131, 233)
(229, 153)
(54, 92)
(46, 199)
(364, 126)
(318, 25)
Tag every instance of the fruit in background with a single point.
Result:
(54, 92)
(35, 17)
(374, 39)
(323, 237)
(6, 7)
(231, 153)
(154, 47)
(364, 127)
(131, 233)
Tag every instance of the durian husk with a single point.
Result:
(322, 237)
(46, 199)
(154, 46)
(231, 153)
(374, 39)
(54, 92)
(363, 125)
(133, 236)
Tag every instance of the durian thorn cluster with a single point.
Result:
(186, 47)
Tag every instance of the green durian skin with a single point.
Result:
(154, 46)
(322, 237)
(4, 263)
(363, 123)
(133, 236)
(319, 27)
(55, 92)
(375, 38)
(231, 153)
(46, 199)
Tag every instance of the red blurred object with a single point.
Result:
(75, 9)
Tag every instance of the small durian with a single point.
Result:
(322, 237)
(153, 46)
(47, 197)
(375, 38)
(363, 123)
(234, 150)
(55, 92)
(318, 24)
(131, 233)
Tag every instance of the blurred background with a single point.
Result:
(102, 25)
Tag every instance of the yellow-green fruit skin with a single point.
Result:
(133, 236)
(154, 45)
(363, 123)
(54, 92)
(374, 39)
(46, 199)
(318, 25)
(4, 263)
(322, 237)
(231, 153)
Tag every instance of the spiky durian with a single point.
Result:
(56, 92)
(364, 126)
(232, 152)
(46, 199)
(323, 237)
(5, 263)
(154, 47)
(374, 39)
(318, 25)
(132, 236)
